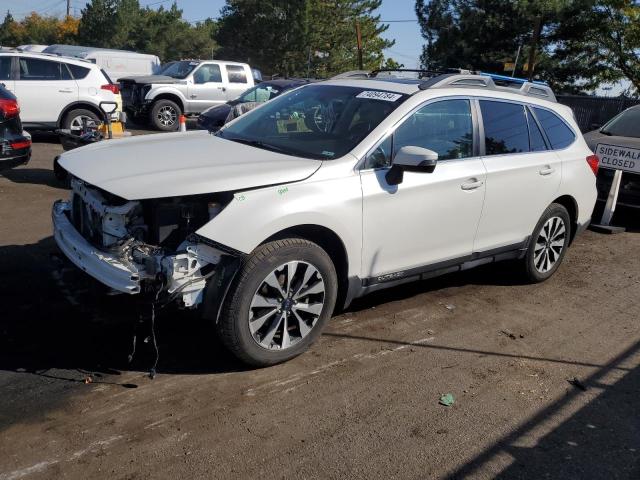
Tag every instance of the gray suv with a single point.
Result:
(624, 131)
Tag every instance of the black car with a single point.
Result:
(16, 144)
(624, 131)
(215, 117)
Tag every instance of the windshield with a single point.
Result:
(260, 93)
(315, 121)
(627, 124)
(179, 69)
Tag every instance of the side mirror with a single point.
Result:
(411, 158)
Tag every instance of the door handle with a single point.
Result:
(65, 91)
(222, 88)
(472, 185)
(193, 96)
(547, 170)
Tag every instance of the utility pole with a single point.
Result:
(534, 43)
(359, 40)
(68, 8)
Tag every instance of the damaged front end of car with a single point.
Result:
(147, 247)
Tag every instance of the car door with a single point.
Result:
(237, 81)
(206, 88)
(523, 176)
(429, 219)
(44, 88)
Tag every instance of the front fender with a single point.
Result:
(256, 215)
(166, 90)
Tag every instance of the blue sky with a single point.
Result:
(406, 34)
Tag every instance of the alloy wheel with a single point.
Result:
(286, 305)
(167, 116)
(549, 244)
(77, 123)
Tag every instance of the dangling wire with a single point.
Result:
(152, 372)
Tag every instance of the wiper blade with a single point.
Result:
(259, 144)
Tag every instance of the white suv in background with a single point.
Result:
(326, 193)
(56, 92)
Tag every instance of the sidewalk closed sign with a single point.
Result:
(618, 158)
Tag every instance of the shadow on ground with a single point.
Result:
(599, 441)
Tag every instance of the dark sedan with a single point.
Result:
(15, 143)
(622, 131)
(215, 117)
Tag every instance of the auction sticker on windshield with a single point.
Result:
(618, 158)
(377, 95)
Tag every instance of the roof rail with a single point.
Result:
(486, 81)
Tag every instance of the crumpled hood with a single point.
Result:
(149, 79)
(177, 164)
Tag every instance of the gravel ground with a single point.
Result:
(362, 403)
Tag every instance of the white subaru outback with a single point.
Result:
(326, 193)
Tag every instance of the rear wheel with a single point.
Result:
(283, 296)
(165, 115)
(548, 244)
(74, 120)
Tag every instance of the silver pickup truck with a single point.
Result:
(183, 87)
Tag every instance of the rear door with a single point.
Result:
(44, 88)
(238, 81)
(523, 175)
(206, 88)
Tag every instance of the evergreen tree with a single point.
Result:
(293, 38)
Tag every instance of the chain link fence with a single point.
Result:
(592, 111)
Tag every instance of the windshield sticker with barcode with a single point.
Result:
(376, 95)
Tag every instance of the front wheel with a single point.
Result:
(165, 115)
(281, 299)
(548, 244)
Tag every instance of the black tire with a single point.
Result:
(233, 325)
(532, 261)
(78, 113)
(165, 124)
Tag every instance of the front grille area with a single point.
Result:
(87, 221)
(132, 94)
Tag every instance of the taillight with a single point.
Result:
(21, 144)
(594, 163)
(9, 107)
(112, 87)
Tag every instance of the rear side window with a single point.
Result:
(37, 69)
(5, 68)
(78, 72)
(505, 127)
(65, 74)
(236, 74)
(536, 139)
(559, 135)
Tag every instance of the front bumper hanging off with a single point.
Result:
(104, 267)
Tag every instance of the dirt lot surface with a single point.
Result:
(363, 403)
